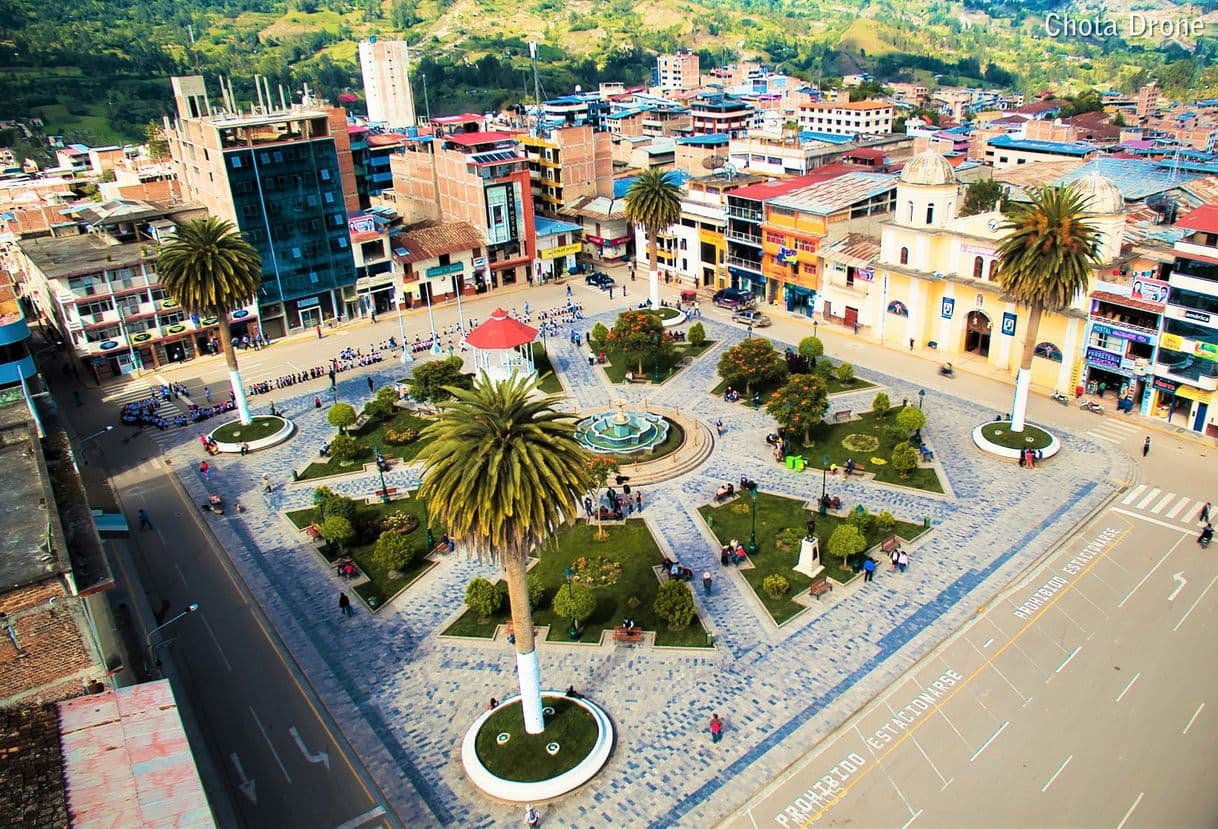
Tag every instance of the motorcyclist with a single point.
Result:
(1207, 535)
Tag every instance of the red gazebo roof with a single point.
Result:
(501, 332)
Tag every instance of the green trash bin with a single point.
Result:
(799, 464)
(790, 461)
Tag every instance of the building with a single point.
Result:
(714, 113)
(1186, 365)
(567, 163)
(286, 179)
(558, 244)
(436, 260)
(370, 248)
(385, 65)
(847, 117)
(678, 72)
(1148, 101)
(16, 362)
(606, 233)
(1005, 151)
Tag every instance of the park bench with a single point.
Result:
(841, 415)
(630, 636)
(820, 587)
(857, 470)
(636, 378)
(889, 545)
(388, 491)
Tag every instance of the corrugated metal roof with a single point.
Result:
(857, 250)
(837, 193)
(1135, 179)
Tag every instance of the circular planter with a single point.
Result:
(527, 792)
(671, 317)
(228, 440)
(986, 445)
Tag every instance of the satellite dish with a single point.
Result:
(713, 162)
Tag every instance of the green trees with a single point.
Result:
(846, 541)
(381, 406)
(810, 348)
(574, 601)
(503, 471)
(653, 202)
(337, 530)
(800, 404)
(776, 585)
(981, 196)
(483, 598)
(393, 550)
(675, 604)
(904, 458)
(752, 361)
(640, 337)
(340, 416)
(696, 335)
(211, 270)
(1045, 262)
(599, 336)
(845, 373)
(344, 448)
(430, 381)
(909, 421)
(880, 404)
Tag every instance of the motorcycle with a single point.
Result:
(946, 370)
(1091, 406)
(1061, 398)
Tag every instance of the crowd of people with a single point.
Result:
(346, 360)
(146, 413)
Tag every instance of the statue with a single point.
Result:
(811, 527)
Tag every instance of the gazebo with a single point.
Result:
(503, 346)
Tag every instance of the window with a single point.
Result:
(329, 197)
(775, 238)
(313, 276)
(295, 253)
(930, 213)
(903, 257)
(978, 266)
(324, 173)
(993, 274)
(235, 162)
(911, 211)
(1048, 351)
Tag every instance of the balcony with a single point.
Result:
(748, 264)
(745, 214)
(1173, 373)
(753, 239)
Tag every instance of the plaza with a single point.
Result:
(404, 696)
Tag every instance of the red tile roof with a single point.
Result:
(430, 241)
(1203, 218)
(501, 331)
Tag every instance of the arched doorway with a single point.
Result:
(977, 334)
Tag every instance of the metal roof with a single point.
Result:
(1135, 178)
(837, 193)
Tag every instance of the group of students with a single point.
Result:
(732, 553)
(144, 413)
(348, 359)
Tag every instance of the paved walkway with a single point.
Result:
(405, 697)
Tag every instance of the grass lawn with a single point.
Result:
(1030, 438)
(618, 365)
(371, 436)
(545, 370)
(827, 440)
(630, 544)
(834, 385)
(262, 427)
(379, 586)
(523, 757)
(775, 514)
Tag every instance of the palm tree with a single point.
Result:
(1045, 262)
(210, 270)
(502, 471)
(654, 203)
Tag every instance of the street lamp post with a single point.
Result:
(93, 436)
(569, 573)
(749, 332)
(921, 397)
(659, 341)
(824, 482)
(380, 468)
(753, 510)
(191, 608)
(397, 300)
(814, 324)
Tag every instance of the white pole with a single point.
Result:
(397, 300)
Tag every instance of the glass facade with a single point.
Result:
(289, 203)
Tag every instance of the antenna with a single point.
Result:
(426, 102)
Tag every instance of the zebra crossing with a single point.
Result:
(1155, 504)
(137, 390)
(1114, 430)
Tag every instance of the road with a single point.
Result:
(1076, 699)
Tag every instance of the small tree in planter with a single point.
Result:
(600, 467)
(904, 458)
(344, 449)
(428, 381)
(332, 504)
(810, 348)
(483, 598)
(675, 604)
(800, 404)
(845, 373)
(885, 522)
(776, 585)
(381, 406)
(880, 404)
(861, 518)
(537, 591)
(752, 361)
(600, 334)
(340, 416)
(846, 541)
(909, 421)
(337, 530)
(574, 601)
(393, 551)
(696, 335)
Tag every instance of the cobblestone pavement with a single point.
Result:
(405, 696)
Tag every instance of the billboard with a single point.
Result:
(1154, 291)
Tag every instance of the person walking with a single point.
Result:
(1205, 513)
(588, 506)
(868, 569)
(344, 604)
(638, 501)
(317, 401)
(205, 471)
(902, 560)
(568, 291)
(706, 582)
(1146, 446)
(145, 521)
(266, 482)
(207, 393)
(245, 449)
(716, 728)
(531, 817)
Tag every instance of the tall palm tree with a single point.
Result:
(210, 270)
(654, 203)
(1045, 262)
(502, 472)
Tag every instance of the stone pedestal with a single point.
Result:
(809, 558)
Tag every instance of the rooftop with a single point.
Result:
(854, 105)
(717, 139)
(1204, 218)
(25, 554)
(781, 186)
(476, 139)
(84, 253)
(837, 193)
(1070, 148)
(431, 240)
(552, 227)
(1136, 179)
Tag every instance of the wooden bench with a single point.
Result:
(890, 545)
(636, 378)
(857, 470)
(630, 636)
(842, 415)
(820, 587)
(390, 491)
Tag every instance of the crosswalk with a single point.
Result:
(1162, 506)
(1113, 430)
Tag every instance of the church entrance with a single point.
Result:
(977, 334)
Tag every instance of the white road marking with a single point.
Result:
(1150, 520)
(925, 756)
(1142, 504)
(1180, 582)
(319, 757)
(1131, 808)
(212, 633)
(1060, 769)
(360, 820)
(987, 642)
(247, 783)
(992, 738)
(271, 746)
(994, 668)
(1150, 573)
(181, 575)
(1193, 718)
(1071, 655)
(1180, 505)
(1167, 499)
(912, 819)
(1130, 685)
(1194, 604)
(1098, 436)
(1134, 493)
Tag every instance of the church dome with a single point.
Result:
(1100, 194)
(928, 168)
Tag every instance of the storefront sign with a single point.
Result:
(1173, 342)
(978, 251)
(107, 345)
(1122, 334)
(1154, 291)
(441, 270)
(947, 308)
(308, 302)
(786, 255)
(240, 314)
(169, 303)
(361, 224)
(175, 329)
(1102, 359)
(1206, 351)
(210, 321)
(865, 274)
(1199, 316)
(1008, 323)
(562, 250)
(1165, 385)
(141, 337)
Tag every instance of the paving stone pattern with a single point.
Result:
(405, 696)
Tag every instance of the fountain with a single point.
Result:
(622, 433)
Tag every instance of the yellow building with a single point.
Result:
(933, 284)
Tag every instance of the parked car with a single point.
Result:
(750, 317)
(732, 298)
(600, 279)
